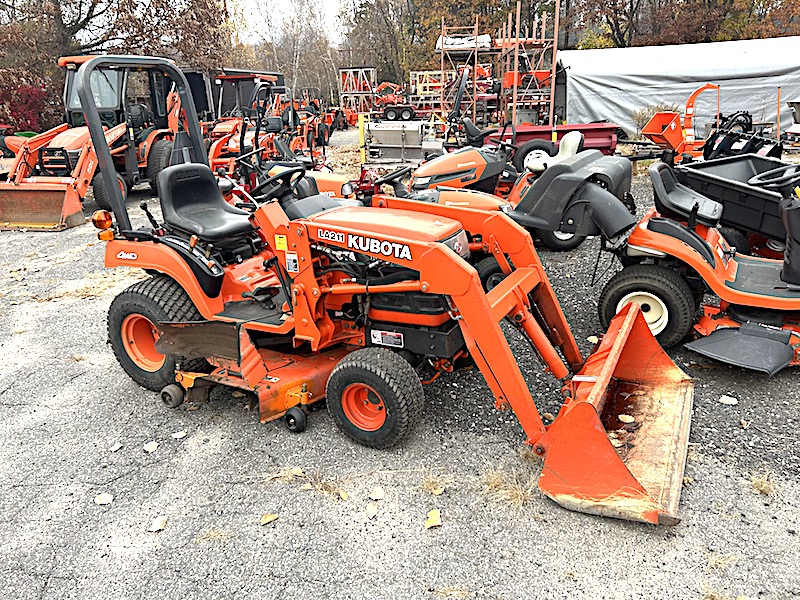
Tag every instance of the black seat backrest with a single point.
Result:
(192, 201)
(306, 187)
(139, 116)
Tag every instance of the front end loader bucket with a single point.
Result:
(618, 446)
(39, 206)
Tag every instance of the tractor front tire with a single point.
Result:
(375, 397)
(101, 195)
(133, 330)
(736, 239)
(522, 152)
(489, 272)
(323, 135)
(559, 241)
(157, 160)
(666, 300)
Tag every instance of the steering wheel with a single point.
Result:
(288, 178)
(775, 179)
(393, 176)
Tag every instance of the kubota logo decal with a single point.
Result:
(127, 255)
(373, 246)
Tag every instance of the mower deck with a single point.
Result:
(750, 346)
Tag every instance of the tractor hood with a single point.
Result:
(71, 139)
(389, 223)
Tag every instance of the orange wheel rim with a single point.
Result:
(363, 407)
(139, 335)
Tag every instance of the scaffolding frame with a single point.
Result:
(356, 85)
(453, 59)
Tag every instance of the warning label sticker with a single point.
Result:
(291, 262)
(387, 338)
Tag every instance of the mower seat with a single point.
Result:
(678, 201)
(192, 202)
(538, 160)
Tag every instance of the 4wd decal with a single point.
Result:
(122, 255)
(375, 246)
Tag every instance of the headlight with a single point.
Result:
(506, 208)
(347, 189)
(458, 243)
(420, 183)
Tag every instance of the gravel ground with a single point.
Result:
(73, 426)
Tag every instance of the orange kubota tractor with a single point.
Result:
(343, 303)
(53, 170)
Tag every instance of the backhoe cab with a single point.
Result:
(348, 304)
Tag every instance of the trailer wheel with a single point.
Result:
(559, 241)
(489, 272)
(526, 148)
(375, 397)
(132, 330)
(101, 196)
(406, 114)
(390, 114)
(158, 159)
(736, 239)
(665, 298)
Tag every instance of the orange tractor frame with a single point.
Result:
(300, 320)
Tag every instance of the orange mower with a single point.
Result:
(345, 304)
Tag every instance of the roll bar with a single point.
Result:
(104, 161)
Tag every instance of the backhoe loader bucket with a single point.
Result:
(39, 206)
(618, 447)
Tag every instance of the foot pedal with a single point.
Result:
(750, 346)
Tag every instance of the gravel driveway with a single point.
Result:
(73, 426)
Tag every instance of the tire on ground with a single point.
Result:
(101, 196)
(156, 299)
(558, 241)
(667, 302)
(388, 389)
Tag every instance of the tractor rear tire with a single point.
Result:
(157, 160)
(559, 241)
(522, 152)
(101, 196)
(375, 397)
(323, 135)
(665, 298)
(132, 330)
(736, 239)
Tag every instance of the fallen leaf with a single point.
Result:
(150, 447)
(434, 519)
(193, 407)
(438, 490)
(268, 518)
(377, 493)
(744, 424)
(158, 524)
(238, 394)
(728, 400)
(179, 435)
(305, 487)
(296, 471)
(549, 416)
(626, 419)
(688, 480)
(372, 510)
(592, 339)
(103, 499)
(343, 495)
(115, 447)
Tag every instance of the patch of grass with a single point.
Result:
(527, 454)
(512, 489)
(212, 535)
(720, 561)
(764, 483)
(435, 484)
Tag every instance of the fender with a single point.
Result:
(164, 259)
(152, 138)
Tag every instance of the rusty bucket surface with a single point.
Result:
(618, 446)
(39, 206)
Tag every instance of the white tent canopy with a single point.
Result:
(613, 83)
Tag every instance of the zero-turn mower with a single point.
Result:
(344, 303)
(676, 255)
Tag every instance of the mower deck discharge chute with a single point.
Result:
(342, 303)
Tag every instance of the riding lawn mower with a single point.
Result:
(345, 304)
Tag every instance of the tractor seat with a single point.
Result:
(139, 116)
(475, 137)
(538, 160)
(675, 200)
(192, 202)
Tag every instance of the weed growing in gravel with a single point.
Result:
(763, 483)
(435, 484)
(212, 535)
(511, 489)
(452, 592)
(720, 561)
